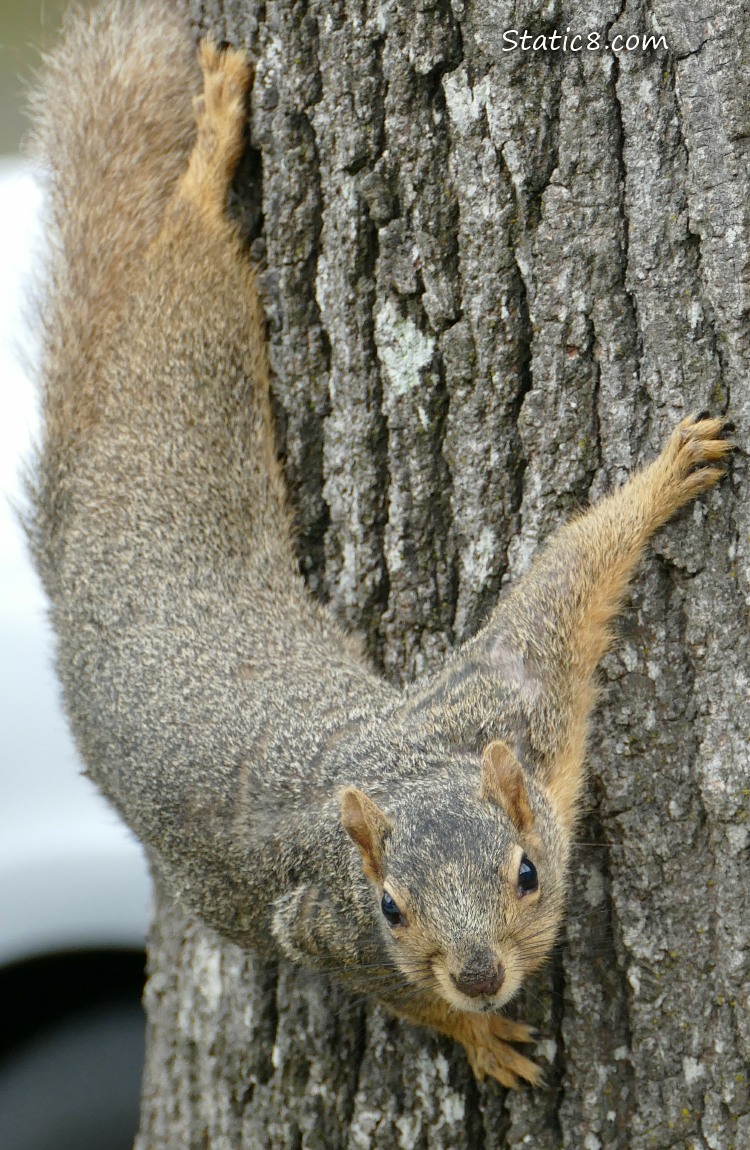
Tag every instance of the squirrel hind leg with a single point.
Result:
(220, 119)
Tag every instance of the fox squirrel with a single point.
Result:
(416, 843)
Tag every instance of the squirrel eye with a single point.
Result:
(528, 880)
(390, 910)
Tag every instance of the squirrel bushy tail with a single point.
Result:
(111, 149)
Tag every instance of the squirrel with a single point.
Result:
(415, 843)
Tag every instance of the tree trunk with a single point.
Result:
(495, 281)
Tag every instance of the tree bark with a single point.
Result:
(495, 280)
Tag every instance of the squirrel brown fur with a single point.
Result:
(415, 843)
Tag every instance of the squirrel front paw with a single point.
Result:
(486, 1039)
(684, 465)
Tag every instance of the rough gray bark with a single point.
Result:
(495, 281)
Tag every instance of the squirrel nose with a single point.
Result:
(475, 980)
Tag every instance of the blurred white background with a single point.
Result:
(69, 872)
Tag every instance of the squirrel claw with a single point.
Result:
(513, 1031)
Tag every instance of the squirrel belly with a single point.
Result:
(416, 843)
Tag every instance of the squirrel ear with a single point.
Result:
(367, 826)
(503, 783)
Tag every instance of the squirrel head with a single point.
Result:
(467, 873)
